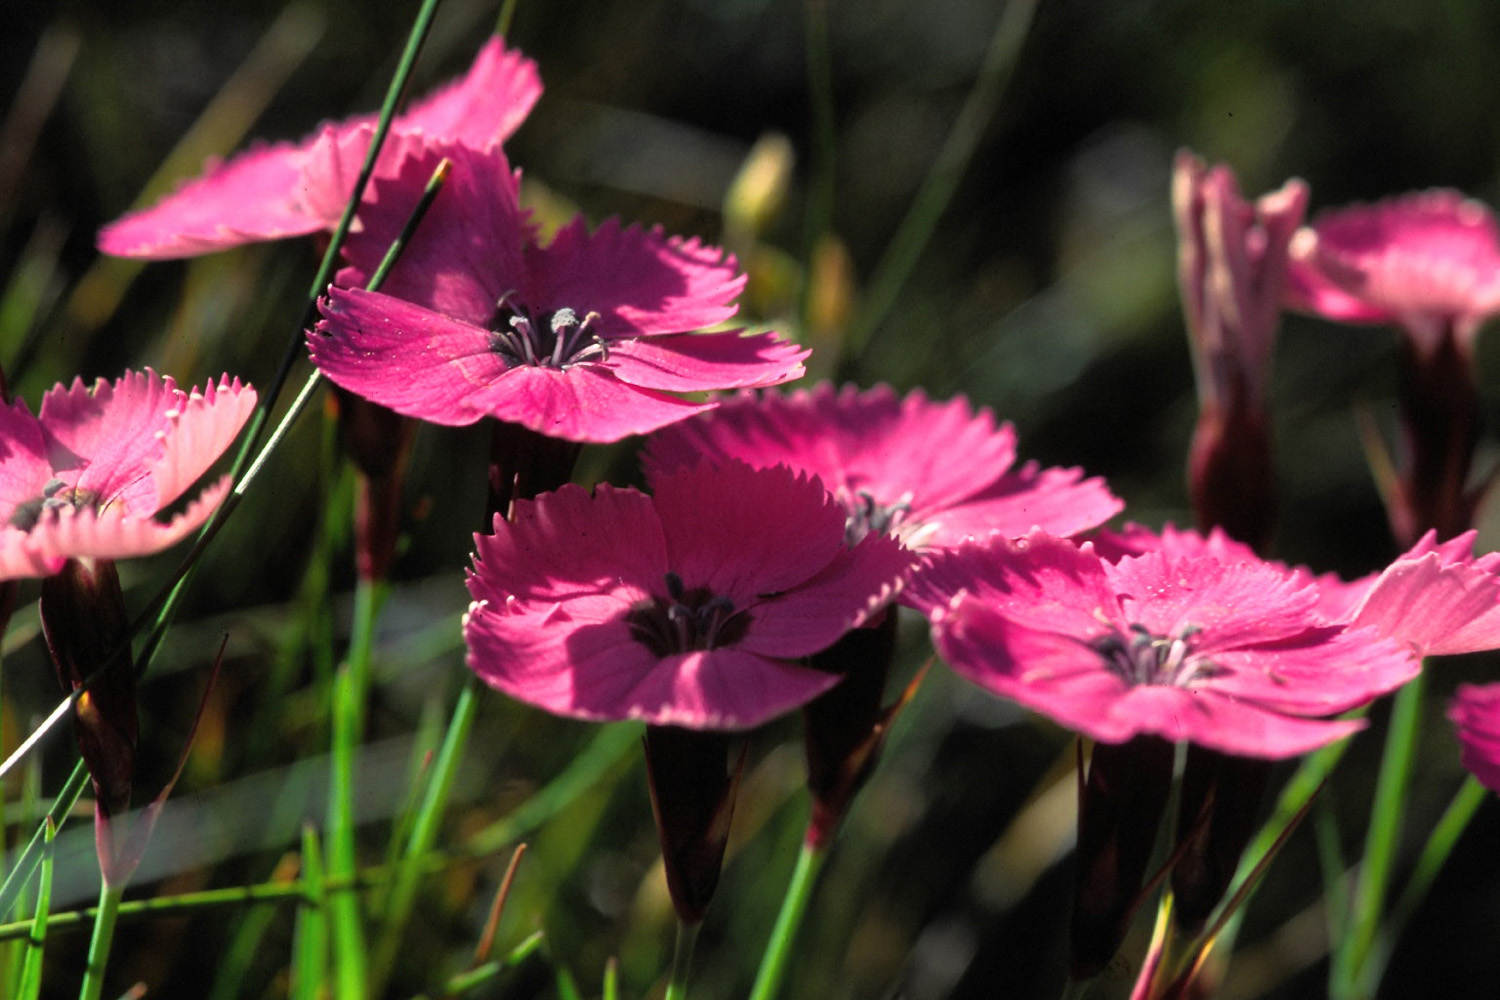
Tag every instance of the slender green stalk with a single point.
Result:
(310, 943)
(917, 227)
(62, 806)
(611, 980)
(104, 935)
(350, 696)
(30, 986)
(1380, 840)
(1440, 844)
(425, 829)
(507, 13)
(611, 745)
(682, 960)
(823, 142)
(773, 963)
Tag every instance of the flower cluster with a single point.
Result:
(758, 571)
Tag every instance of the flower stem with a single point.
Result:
(1380, 839)
(682, 959)
(350, 694)
(1471, 795)
(104, 935)
(424, 830)
(793, 908)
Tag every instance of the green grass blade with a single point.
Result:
(30, 986)
(310, 943)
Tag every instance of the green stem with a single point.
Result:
(104, 935)
(793, 908)
(31, 972)
(937, 190)
(1380, 839)
(1440, 844)
(682, 960)
(350, 696)
(425, 829)
(62, 806)
(821, 186)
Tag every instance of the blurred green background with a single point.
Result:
(1047, 292)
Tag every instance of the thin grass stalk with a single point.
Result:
(611, 745)
(99, 944)
(773, 963)
(682, 960)
(1440, 843)
(310, 942)
(62, 806)
(424, 830)
(502, 22)
(920, 221)
(1380, 839)
(30, 985)
(611, 987)
(234, 969)
(350, 695)
(818, 219)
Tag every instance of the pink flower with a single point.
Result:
(1228, 654)
(931, 473)
(685, 608)
(89, 474)
(1476, 712)
(1426, 260)
(287, 189)
(581, 339)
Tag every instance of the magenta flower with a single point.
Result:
(87, 477)
(689, 607)
(931, 473)
(1426, 261)
(1228, 654)
(1429, 262)
(287, 189)
(581, 339)
(1476, 712)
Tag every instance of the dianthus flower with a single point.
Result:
(1229, 654)
(1476, 712)
(1425, 261)
(688, 607)
(1429, 262)
(932, 474)
(582, 338)
(87, 476)
(288, 189)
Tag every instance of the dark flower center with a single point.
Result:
(1145, 658)
(867, 516)
(686, 621)
(55, 496)
(554, 339)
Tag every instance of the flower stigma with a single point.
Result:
(56, 496)
(1145, 658)
(868, 516)
(556, 339)
(686, 621)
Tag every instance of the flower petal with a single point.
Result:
(640, 282)
(1476, 712)
(251, 197)
(402, 356)
(693, 362)
(486, 105)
